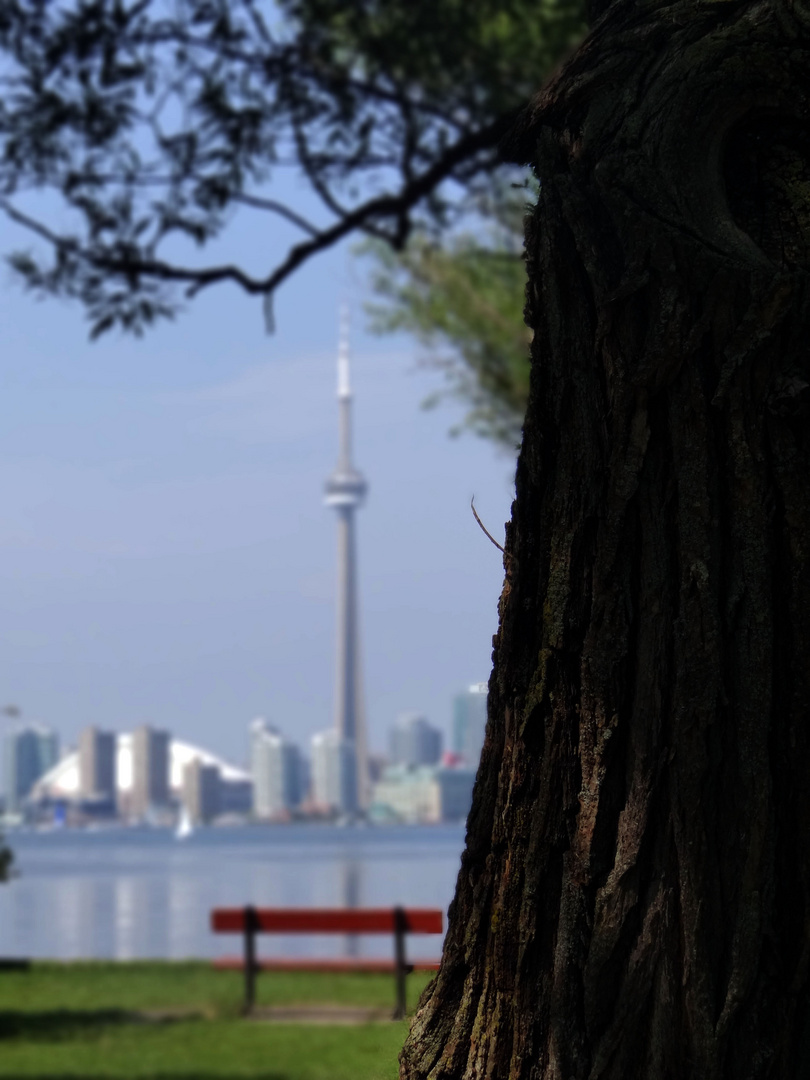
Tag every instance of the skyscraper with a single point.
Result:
(200, 791)
(97, 764)
(277, 771)
(150, 771)
(334, 782)
(28, 753)
(414, 741)
(469, 723)
(345, 490)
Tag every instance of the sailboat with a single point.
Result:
(185, 827)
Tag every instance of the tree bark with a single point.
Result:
(634, 897)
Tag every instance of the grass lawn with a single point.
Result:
(126, 1020)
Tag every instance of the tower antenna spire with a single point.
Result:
(343, 387)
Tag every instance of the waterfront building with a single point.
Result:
(422, 794)
(408, 794)
(345, 491)
(334, 781)
(28, 753)
(61, 784)
(414, 741)
(277, 770)
(469, 724)
(200, 792)
(97, 766)
(150, 771)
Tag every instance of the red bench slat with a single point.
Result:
(327, 920)
(337, 964)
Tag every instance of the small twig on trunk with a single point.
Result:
(483, 527)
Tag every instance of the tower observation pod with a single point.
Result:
(345, 490)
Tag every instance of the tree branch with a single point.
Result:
(396, 207)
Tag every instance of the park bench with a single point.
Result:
(250, 921)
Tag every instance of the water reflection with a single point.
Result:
(351, 897)
(133, 894)
(126, 908)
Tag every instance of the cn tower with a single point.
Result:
(345, 491)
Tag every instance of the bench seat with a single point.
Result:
(369, 964)
(250, 921)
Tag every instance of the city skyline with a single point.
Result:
(165, 555)
(446, 728)
(148, 777)
(131, 774)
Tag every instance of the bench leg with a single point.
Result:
(250, 958)
(401, 969)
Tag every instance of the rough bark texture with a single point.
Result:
(634, 897)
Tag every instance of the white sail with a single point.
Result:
(184, 826)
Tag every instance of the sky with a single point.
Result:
(165, 554)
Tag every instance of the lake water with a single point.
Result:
(139, 893)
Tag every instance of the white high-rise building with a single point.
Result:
(277, 771)
(334, 781)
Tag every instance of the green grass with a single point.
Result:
(122, 1021)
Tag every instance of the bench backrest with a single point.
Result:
(327, 920)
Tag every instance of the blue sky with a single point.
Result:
(165, 556)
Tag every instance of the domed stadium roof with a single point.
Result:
(62, 781)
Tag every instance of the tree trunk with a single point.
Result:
(634, 897)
